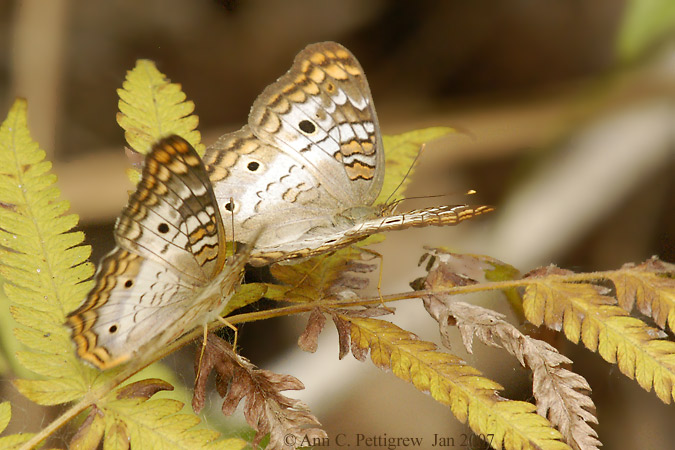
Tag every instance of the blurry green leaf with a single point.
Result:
(400, 152)
(5, 415)
(645, 23)
(245, 295)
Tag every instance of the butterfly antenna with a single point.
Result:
(394, 204)
(422, 147)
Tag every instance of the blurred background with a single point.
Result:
(566, 118)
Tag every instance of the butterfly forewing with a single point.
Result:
(172, 217)
(322, 109)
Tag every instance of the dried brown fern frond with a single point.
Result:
(267, 410)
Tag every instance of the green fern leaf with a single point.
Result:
(158, 424)
(41, 261)
(151, 107)
(51, 392)
(400, 154)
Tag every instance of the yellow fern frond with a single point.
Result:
(400, 153)
(471, 397)
(648, 285)
(151, 107)
(156, 424)
(141, 423)
(41, 260)
(582, 312)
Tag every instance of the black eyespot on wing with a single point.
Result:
(307, 127)
(128, 283)
(112, 329)
(229, 206)
(163, 228)
(253, 166)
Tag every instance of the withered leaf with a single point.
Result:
(367, 311)
(344, 330)
(309, 339)
(144, 388)
(266, 409)
(562, 396)
(545, 271)
(321, 277)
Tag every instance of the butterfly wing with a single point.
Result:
(170, 248)
(132, 300)
(323, 242)
(256, 184)
(172, 217)
(321, 113)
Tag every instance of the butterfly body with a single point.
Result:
(168, 272)
(310, 164)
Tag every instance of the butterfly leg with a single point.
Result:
(379, 280)
(233, 328)
(201, 353)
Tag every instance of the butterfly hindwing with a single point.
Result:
(322, 111)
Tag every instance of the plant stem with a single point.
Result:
(56, 424)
